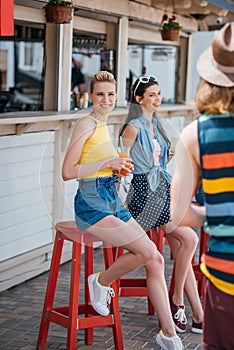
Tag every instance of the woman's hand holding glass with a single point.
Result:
(126, 163)
(122, 165)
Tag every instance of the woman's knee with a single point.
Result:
(187, 237)
(193, 239)
(151, 254)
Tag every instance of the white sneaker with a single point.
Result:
(169, 343)
(100, 295)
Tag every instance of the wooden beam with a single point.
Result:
(121, 60)
(89, 25)
(7, 130)
(36, 127)
(134, 10)
(137, 35)
(29, 14)
(22, 128)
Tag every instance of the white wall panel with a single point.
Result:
(25, 244)
(16, 201)
(24, 168)
(70, 188)
(26, 192)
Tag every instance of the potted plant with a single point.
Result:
(59, 11)
(170, 28)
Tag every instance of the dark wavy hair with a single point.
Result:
(135, 110)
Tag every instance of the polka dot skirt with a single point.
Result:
(150, 209)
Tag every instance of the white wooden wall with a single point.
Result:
(26, 180)
(26, 191)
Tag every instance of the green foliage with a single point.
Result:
(169, 23)
(59, 3)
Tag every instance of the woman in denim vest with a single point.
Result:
(148, 199)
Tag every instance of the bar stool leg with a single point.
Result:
(50, 291)
(68, 316)
(88, 268)
(157, 236)
(74, 296)
(116, 328)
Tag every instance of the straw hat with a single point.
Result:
(216, 64)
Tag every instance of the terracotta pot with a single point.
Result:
(170, 34)
(59, 14)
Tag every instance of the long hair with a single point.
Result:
(102, 76)
(213, 99)
(135, 110)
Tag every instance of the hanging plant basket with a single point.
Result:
(170, 34)
(59, 14)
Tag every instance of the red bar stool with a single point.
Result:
(137, 287)
(204, 237)
(200, 277)
(67, 316)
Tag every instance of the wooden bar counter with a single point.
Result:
(33, 194)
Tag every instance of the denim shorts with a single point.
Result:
(97, 198)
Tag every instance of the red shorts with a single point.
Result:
(218, 329)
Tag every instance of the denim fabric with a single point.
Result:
(142, 152)
(97, 198)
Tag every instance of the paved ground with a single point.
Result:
(21, 307)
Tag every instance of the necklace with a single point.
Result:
(98, 118)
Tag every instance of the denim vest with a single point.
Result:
(143, 149)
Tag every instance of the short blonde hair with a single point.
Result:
(102, 76)
(213, 99)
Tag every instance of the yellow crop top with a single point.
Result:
(97, 148)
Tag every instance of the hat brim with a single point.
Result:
(207, 70)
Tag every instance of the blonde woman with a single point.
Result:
(91, 158)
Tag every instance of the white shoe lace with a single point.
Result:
(180, 316)
(107, 294)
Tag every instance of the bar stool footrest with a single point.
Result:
(89, 321)
(133, 287)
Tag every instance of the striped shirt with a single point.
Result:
(216, 142)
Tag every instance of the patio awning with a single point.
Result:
(6, 17)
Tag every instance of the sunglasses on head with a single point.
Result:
(144, 80)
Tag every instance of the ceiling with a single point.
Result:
(210, 14)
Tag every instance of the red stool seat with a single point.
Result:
(137, 287)
(67, 316)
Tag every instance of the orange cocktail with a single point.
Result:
(124, 153)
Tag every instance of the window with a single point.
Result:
(160, 61)
(22, 70)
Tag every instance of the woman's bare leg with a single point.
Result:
(191, 291)
(126, 235)
(183, 242)
(142, 251)
(157, 289)
(190, 286)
